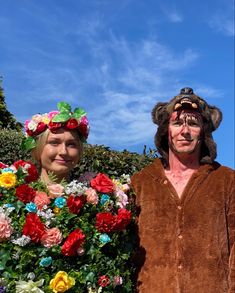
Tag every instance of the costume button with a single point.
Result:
(180, 236)
(165, 182)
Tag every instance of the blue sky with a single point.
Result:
(117, 59)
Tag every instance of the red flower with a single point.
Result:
(54, 125)
(73, 243)
(75, 203)
(122, 219)
(40, 128)
(105, 222)
(72, 123)
(30, 168)
(103, 281)
(2, 165)
(25, 193)
(33, 227)
(102, 183)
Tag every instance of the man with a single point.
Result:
(187, 207)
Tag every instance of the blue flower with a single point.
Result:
(31, 207)
(7, 170)
(46, 261)
(104, 198)
(104, 238)
(60, 202)
(2, 289)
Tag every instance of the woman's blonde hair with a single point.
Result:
(41, 142)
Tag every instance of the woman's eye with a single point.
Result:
(53, 142)
(72, 144)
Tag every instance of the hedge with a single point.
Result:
(96, 158)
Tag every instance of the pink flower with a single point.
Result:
(117, 280)
(55, 190)
(51, 237)
(92, 196)
(122, 198)
(41, 199)
(52, 114)
(5, 227)
(125, 187)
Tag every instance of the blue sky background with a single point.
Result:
(117, 59)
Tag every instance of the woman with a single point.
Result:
(56, 141)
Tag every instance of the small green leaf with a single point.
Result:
(78, 113)
(64, 107)
(61, 117)
(28, 143)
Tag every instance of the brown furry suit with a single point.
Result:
(187, 243)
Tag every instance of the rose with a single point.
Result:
(55, 190)
(41, 199)
(73, 243)
(51, 237)
(5, 227)
(117, 280)
(75, 203)
(84, 127)
(122, 198)
(92, 196)
(2, 165)
(122, 219)
(104, 222)
(102, 183)
(29, 168)
(33, 227)
(61, 282)
(72, 123)
(54, 125)
(25, 193)
(7, 180)
(52, 114)
(40, 128)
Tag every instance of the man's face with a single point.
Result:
(184, 131)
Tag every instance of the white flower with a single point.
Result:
(75, 188)
(29, 287)
(32, 125)
(22, 241)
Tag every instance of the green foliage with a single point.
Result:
(96, 158)
(10, 150)
(7, 120)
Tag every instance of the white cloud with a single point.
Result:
(223, 25)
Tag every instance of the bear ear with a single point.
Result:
(216, 116)
(158, 112)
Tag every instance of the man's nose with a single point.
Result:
(185, 128)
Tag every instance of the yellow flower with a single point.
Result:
(7, 180)
(56, 210)
(61, 282)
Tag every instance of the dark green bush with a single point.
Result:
(10, 150)
(96, 158)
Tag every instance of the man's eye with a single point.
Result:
(193, 124)
(177, 123)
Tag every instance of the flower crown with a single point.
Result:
(63, 117)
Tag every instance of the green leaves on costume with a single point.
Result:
(65, 113)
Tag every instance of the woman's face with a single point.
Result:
(61, 152)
